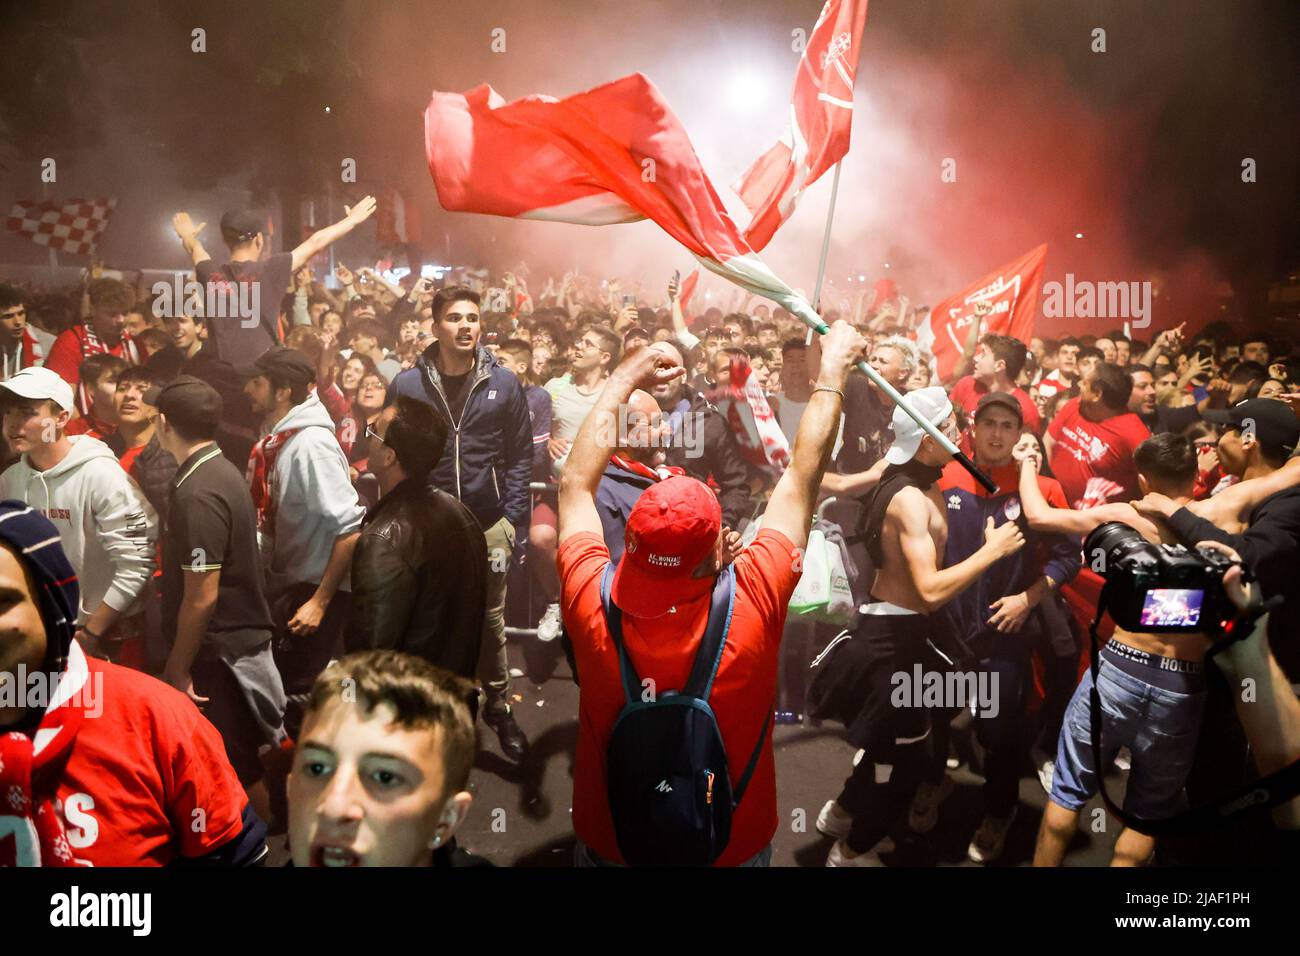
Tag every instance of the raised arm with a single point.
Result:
(1041, 516)
(598, 436)
(967, 360)
(790, 508)
(319, 240)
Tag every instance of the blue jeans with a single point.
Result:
(1160, 728)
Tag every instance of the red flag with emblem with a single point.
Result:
(1013, 292)
(821, 118)
(613, 154)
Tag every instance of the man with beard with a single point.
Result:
(702, 445)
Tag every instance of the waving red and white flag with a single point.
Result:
(821, 118)
(1013, 292)
(616, 153)
(73, 226)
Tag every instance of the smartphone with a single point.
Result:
(627, 300)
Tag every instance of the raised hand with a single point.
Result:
(362, 211)
(185, 228)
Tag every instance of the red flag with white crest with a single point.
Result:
(1012, 290)
(821, 118)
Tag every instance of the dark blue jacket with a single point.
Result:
(488, 458)
(615, 496)
(1051, 554)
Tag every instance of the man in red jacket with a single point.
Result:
(100, 765)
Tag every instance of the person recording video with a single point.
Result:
(1152, 685)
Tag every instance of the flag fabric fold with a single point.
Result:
(615, 153)
(1013, 292)
(821, 119)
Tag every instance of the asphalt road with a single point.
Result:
(521, 814)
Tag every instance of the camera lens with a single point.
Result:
(1117, 541)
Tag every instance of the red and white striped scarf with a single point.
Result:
(657, 473)
(91, 345)
(24, 355)
(29, 775)
(261, 466)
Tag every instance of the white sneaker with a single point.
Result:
(1045, 775)
(548, 629)
(834, 821)
(925, 805)
(838, 857)
(991, 838)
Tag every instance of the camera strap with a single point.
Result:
(1263, 794)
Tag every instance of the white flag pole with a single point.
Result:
(826, 241)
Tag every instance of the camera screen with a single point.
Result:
(1172, 607)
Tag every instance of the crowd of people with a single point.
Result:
(264, 537)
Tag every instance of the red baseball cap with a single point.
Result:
(672, 528)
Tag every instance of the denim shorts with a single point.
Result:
(1159, 726)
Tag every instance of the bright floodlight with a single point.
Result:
(746, 91)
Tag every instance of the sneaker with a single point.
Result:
(548, 629)
(1045, 775)
(839, 857)
(990, 839)
(834, 821)
(925, 805)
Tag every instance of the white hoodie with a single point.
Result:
(315, 502)
(106, 525)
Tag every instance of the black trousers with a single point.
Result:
(300, 659)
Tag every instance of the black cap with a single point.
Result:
(240, 225)
(1003, 399)
(286, 364)
(187, 401)
(1273, 422)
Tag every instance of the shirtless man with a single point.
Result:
(908, 529)
(1156, 682)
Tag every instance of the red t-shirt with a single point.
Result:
(968, 391)
(147, 780)
(663, 649)
(1094, 460)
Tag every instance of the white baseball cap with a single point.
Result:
(931, 404)
(39, 383)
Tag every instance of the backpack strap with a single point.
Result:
(614, 622)
(750, 767)
(709, 656)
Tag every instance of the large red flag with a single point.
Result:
(1013, 291)
(616, 153)
(821, 117)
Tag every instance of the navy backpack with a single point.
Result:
(669, 788)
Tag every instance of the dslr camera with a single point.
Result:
(1159, 588)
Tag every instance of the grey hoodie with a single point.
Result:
(106, 526)
(314, 499)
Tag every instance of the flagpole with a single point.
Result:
(826, 240)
